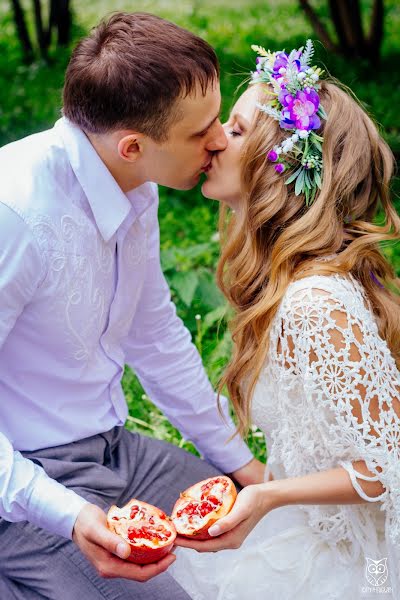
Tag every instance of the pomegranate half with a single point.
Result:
(202, 505)
(148, 530)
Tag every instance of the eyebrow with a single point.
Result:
(211, 123)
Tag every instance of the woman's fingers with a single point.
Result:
(240, 512)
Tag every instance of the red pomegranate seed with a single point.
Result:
(214, 500)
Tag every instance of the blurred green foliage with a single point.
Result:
(30, 100)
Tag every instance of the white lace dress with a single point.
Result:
(326, 365)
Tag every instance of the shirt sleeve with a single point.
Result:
(332, 343)
(167, 363)
(26, 491)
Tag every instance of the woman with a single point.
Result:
(316, 345)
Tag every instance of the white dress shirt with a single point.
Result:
(81, 294)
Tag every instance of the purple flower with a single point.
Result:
(279, 168)
(299, 112)
(272, 155)
(281, 61)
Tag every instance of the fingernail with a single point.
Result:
(122, 550)
(214, 530)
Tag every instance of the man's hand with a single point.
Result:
(250, 474)
(106, 550)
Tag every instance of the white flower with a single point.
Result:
(287, 145)
(314, 77)
(282, 70)
(301, 76)
(303, 133)
(295, 138)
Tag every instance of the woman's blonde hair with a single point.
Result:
(276, 238)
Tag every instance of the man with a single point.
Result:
(81, 293)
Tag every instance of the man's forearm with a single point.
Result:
(27, 493)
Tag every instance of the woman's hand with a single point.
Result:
(252, 503)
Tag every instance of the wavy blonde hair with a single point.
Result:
(275, 239)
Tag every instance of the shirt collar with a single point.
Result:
(109, 204)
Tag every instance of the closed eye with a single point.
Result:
(202, 133)
(234, 133)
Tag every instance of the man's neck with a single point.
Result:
(124, 175)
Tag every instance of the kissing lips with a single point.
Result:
(207, 167)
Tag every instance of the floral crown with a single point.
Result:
(295, 104)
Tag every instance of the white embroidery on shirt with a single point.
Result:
(80, 267)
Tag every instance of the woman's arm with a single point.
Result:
(370, 402)
(332, 486)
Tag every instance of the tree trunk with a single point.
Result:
(374, 41)
(346, 16)
(63, 21)
(347, 20)
(319, 27)
(40, 33)
(60, 19)
(22, 31)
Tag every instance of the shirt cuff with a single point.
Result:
(54, 507)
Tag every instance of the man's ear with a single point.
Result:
(130, 147)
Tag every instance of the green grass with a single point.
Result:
(30, 101)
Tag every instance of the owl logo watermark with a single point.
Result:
(376, 571)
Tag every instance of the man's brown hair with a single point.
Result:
(129, 72)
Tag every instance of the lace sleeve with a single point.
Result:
(330, 342)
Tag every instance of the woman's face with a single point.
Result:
(224, 178)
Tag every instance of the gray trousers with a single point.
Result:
(109, 468)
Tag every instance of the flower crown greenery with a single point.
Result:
(295, 104)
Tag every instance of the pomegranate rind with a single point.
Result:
(192, 494)
(141, 553)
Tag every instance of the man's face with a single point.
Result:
(179, 162)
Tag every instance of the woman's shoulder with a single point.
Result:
(340, 287)
(314, 285)
(325, 294)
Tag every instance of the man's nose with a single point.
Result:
(218, 140)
